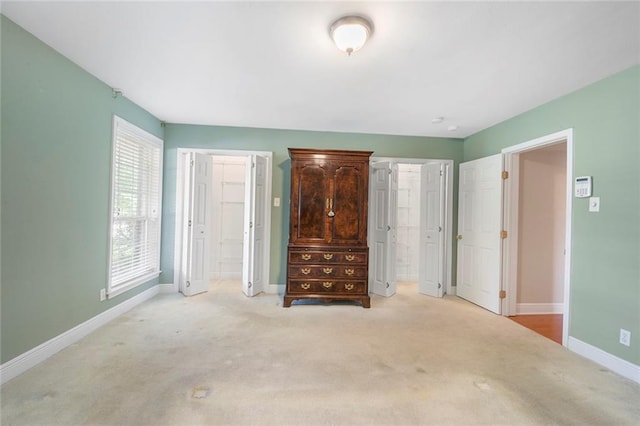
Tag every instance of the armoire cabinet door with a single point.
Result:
(348, 188)
(309, 202)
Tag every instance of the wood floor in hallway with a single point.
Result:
(548, 325)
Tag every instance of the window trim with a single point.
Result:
(120, 123)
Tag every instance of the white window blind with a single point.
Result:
(136, 190)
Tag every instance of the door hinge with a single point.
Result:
(503, 294)
(503, 234)
(188, 283)
(387, 285)
(191, 163)
(441, 173)
(189, 223)
(439, 285)
(505, 174)
(439, 228)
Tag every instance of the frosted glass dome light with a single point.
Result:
(350, 33)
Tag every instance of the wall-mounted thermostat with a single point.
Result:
(583, 187)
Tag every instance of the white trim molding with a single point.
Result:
(539, 308)
(167, 288)
(35, 356)
(275, 289)
(612, 362)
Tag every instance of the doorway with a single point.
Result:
(408, 225)
(221, 217)
(410, 212)
(227, 217)
(537, 215)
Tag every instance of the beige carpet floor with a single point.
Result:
(223, 359)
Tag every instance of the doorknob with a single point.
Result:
(458, 237)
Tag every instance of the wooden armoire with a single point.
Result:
(327, 255)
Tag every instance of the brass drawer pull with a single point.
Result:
(306, 256)
(305, 271)
(328, 256)
(348, 286)
(349, 271)
(349, 257)
(327, 270)
(305, 286)
(327, 284)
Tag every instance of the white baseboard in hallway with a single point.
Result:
(35, 356)
(612, 362)
(539, 308)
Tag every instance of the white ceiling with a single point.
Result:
(273, 65)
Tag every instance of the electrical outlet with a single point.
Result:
(625, 337)
(103, 294)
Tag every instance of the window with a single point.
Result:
(136, 188)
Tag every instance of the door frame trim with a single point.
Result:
(180, 212)
(510, 221)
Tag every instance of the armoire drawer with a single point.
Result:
(327, 286)
(327, 271)
(305, 256)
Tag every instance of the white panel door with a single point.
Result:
(382, 219)
(479, 222)
(431, 266)
(198, 227)
(253, 270)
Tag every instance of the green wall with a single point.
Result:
(277, 141)
(56, 155)
(605, 271)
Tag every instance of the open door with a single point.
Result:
(431, 268)
(196, 260)
(253, 269)
(382, 245)
(479, 233)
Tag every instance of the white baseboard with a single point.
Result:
(613, 363)
(539, 308)
(167, 288)
(275, 288)
(35, 356)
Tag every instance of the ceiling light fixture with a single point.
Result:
(350, 33)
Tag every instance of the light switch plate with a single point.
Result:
(594, 204)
